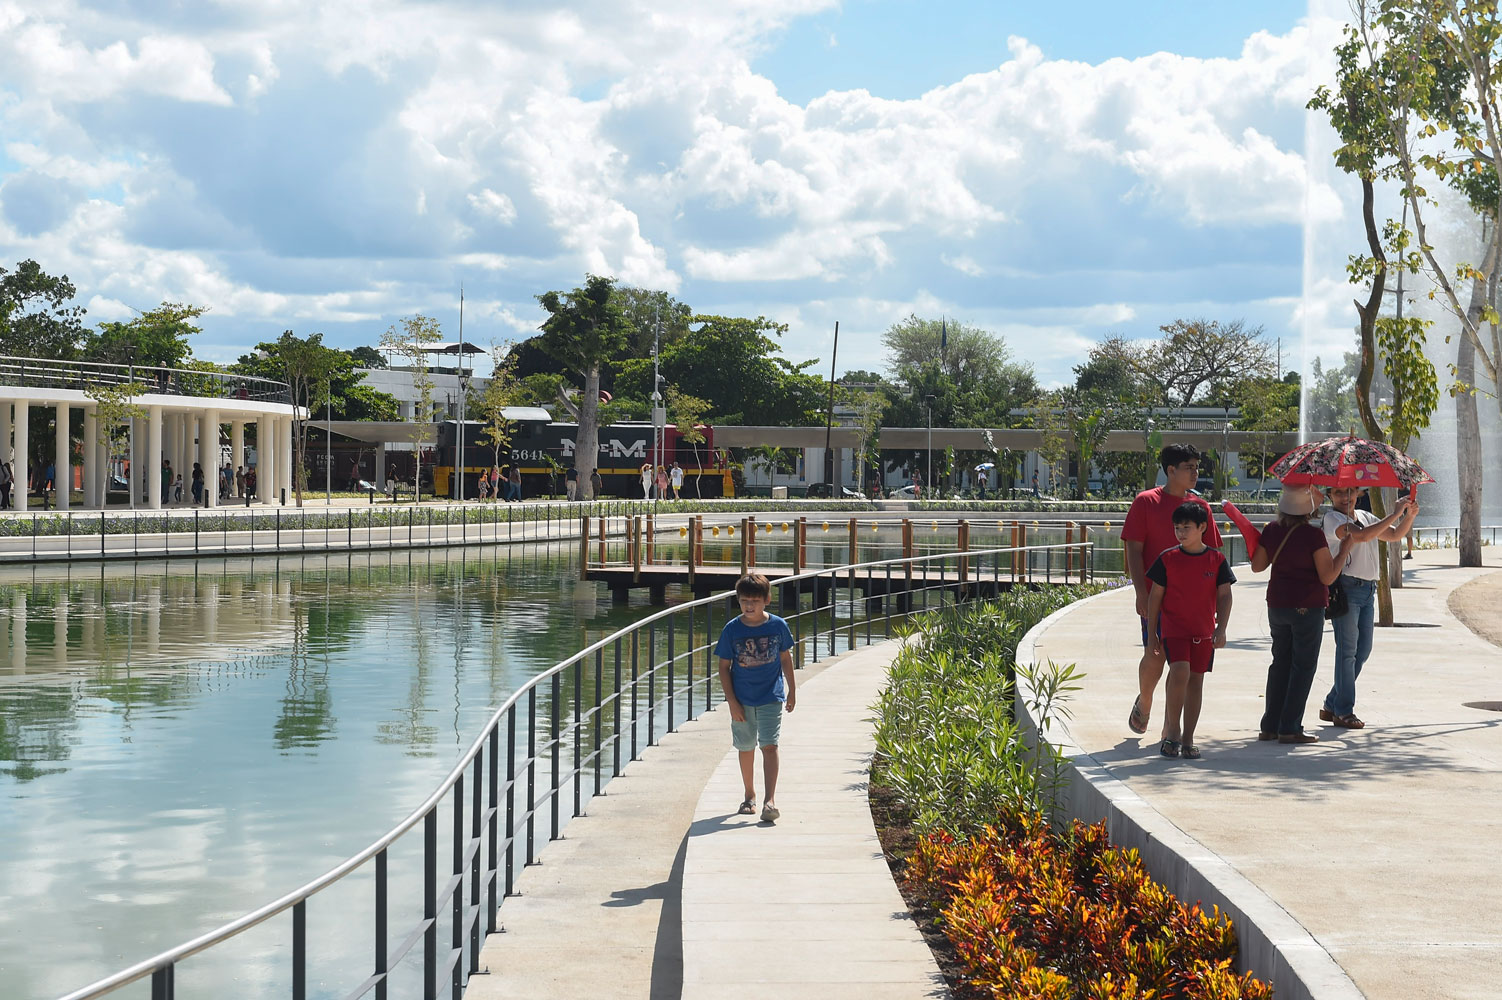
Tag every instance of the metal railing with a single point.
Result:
(641, 681)
(46, 373)
(1448, 536)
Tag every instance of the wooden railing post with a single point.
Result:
(651, 538)
(800, 545)
(751, 540)
(1068, 550)
(636, 547)
(963, 542)
(584, 548)
(745, 555)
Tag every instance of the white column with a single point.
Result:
(213, 471)
(62, 460)
(172, 446)
(90, 458)
(237, 445)
(154, 459)
(264, 452)
(23, 448)
(284, 451)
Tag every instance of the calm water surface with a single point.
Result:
(180, 743)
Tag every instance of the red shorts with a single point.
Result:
(1198, 653)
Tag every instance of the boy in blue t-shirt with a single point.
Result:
(756, 674)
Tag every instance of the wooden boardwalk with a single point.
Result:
(980, 571)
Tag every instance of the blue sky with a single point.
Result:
(333, 168)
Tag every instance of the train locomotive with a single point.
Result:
(545, 453)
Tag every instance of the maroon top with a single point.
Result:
(1295, 582)
(1150, 521)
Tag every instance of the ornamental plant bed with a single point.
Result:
(1013, 906)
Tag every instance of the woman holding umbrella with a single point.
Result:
(1358, 577)
(1297, 592)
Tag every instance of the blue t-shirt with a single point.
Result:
(755, 655)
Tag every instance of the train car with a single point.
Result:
(545, 452)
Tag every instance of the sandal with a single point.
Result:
(770, 813)
(748, 808)
(1137, 722)
(1348, 722)
(1169, 748)
(1325, 715)
(1190, 752)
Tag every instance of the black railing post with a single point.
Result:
(380, 925)
(531, 770)
(616, 714)
(430, 905)
(556, 737)
(300, 950)
(578, 722)
(475, 810)
(161, 983)
(599, 710)
(671, 694)
(635, 673)
(651, 683)
(456, 900)
(510, 807)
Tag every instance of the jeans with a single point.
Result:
(1353, 643)
(1297, 633)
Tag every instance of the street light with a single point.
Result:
(928, 471)
(1147, 434)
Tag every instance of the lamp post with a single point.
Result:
(928, 471)
(328, 444)
(1147, 447)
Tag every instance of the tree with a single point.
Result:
(869, 408)
(368, 357)
(651, 312)
(687, 414)
(113, 406)
(735, 365)
(972, 376)
(154, 339)
(774, 459)
(36, 320)
(411, 339)
(1266, 408)
(1192, 359)
(1435, 67)
(502, 391)
(583, 331)
(308, 368)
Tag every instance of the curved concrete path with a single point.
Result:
(661, 891)
(1381, 842)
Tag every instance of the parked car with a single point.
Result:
(908, 492)
(825, 491)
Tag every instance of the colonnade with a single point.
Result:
(177, 435)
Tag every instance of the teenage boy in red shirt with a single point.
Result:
(1191, 590)
(1148, 530)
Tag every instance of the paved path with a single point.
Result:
(803, 909)
(1382, 842)
(660, 891)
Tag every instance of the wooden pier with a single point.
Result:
(963, 569)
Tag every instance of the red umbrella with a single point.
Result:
(1349, 461)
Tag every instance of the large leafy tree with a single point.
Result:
(37, 319)
(585, 329)
(1192, 359)
(736, 366)
(158, 338)
(308, 367)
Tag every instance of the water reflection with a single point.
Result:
(180, 743)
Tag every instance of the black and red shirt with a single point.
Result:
(1190, 582)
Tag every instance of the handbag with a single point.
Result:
(1339, 603)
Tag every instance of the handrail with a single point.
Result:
(56, 374)
(161, 966)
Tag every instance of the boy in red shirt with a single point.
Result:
(1191, 590)
(1149, 530)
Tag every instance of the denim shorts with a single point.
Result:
(763, 725)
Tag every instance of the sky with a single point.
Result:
(1056, 175)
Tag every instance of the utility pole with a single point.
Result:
(463, 385)
(928, 471)
(328, 444)
(829, 416)
(659, 414)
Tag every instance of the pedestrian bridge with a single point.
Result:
(180, 415)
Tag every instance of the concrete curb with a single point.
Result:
(1271, 942)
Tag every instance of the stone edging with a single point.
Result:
(1271, 942)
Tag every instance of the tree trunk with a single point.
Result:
(1384, 592)
(587, 445)
(1468, 453)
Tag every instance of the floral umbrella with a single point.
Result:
(1349, 461)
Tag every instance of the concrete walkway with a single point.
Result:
(1382, 841)
(803, 909)
(661, 891)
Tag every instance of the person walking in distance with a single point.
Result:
(1146, 533)
(677, 481)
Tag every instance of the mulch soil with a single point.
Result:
(894, 828)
